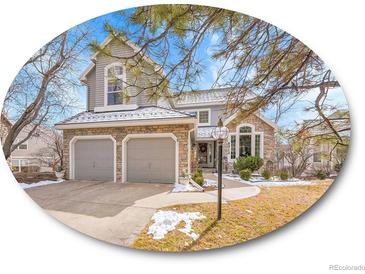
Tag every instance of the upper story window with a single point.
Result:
(203, 116)
(115, 80)
(23, 146)
(317, 157)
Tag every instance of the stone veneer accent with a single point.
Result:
(261, 126)
(119, 133)
(194, 158)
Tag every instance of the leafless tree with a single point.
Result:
(57, 147)
(298, 156)
(54, 147)
(44, 86)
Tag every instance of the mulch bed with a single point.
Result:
(34, 177)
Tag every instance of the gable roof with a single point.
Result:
(217, 96)
(201, 97)
(260, 116)
(129, 43)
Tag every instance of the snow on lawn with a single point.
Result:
(289, 182)
(259, 181)
(183, 188)
(41, 183)
(166, 221)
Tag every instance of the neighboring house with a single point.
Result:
(33, 155)
(5, 126)
(322, 151)
(143, 140)
(326, 152)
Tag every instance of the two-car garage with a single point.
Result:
(146, 158)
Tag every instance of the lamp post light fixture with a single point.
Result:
(220, 133)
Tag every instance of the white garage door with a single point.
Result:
(94, 160)
(151, 160)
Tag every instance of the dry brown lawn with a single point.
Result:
(242, 220)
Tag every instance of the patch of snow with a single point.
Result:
(183, 188)
(41, 183)
(281, 183)
(166, 221)
(260, 181)
(211, 183)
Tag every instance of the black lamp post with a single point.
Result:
(220, 133)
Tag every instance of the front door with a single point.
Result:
(205, 155)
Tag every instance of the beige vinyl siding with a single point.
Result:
(144, 99)
(101, 62)
(35, 145)
(91, 87)
(96, 78)
(215, 111)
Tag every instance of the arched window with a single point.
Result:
(246, 142)
(245, 129)
(114, 83)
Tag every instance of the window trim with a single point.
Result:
(261, 143)
(320, 157)
(253, 134)
(106, 78)
(230, 146)
(25, 143)
(19, 160)
(198, 115)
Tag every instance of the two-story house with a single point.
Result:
(35, 154)
(5, 125)
(146, 140)
(326, 152)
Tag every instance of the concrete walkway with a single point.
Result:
(169, 199)
(117, 213)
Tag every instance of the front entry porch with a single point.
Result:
(206, 154)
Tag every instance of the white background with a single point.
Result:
(331, 233)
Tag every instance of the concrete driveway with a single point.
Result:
(115, 212)
(103, 210)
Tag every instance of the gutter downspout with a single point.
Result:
(189, 149)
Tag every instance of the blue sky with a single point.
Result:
(336, 97)
(296, 114)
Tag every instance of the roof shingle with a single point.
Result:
(142, 113)
(203, 97)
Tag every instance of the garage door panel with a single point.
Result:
(151, 160)
(94, 160)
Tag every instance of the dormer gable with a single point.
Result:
(115, 81)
